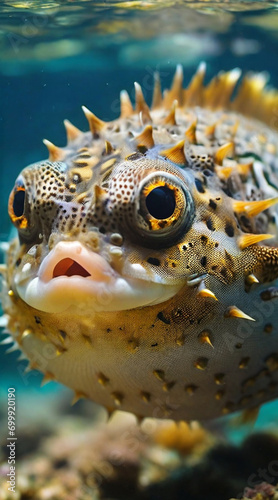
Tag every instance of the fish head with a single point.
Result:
(140, 234)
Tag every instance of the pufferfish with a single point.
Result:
(138, 277)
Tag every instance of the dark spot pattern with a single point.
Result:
(229, 230)
(153, 261)
(163, 319)
(212, 204)
(199, 186)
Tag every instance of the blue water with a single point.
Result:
(55, 58)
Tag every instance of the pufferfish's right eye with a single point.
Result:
(17, 205)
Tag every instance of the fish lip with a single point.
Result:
(96, 267)
(102, 289)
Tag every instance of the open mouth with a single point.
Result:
(72, 259)
(60, 285)
(69, 267)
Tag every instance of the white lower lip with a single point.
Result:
(103, 290)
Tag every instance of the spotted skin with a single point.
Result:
(211, 347)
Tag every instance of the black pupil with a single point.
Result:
(161, 202)
(18, 204)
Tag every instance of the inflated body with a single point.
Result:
(139, 277)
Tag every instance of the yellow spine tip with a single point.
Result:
(246, 240)
(251, 279)
(205, 292)
(235, 312)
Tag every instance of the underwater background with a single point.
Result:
(54, 57)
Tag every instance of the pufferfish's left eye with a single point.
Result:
(17, 205)
(165, 208)
(161, 202)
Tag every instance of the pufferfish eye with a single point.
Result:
(161, 202)
(17, 205)
(165, 206)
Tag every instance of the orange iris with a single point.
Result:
(16, 207)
